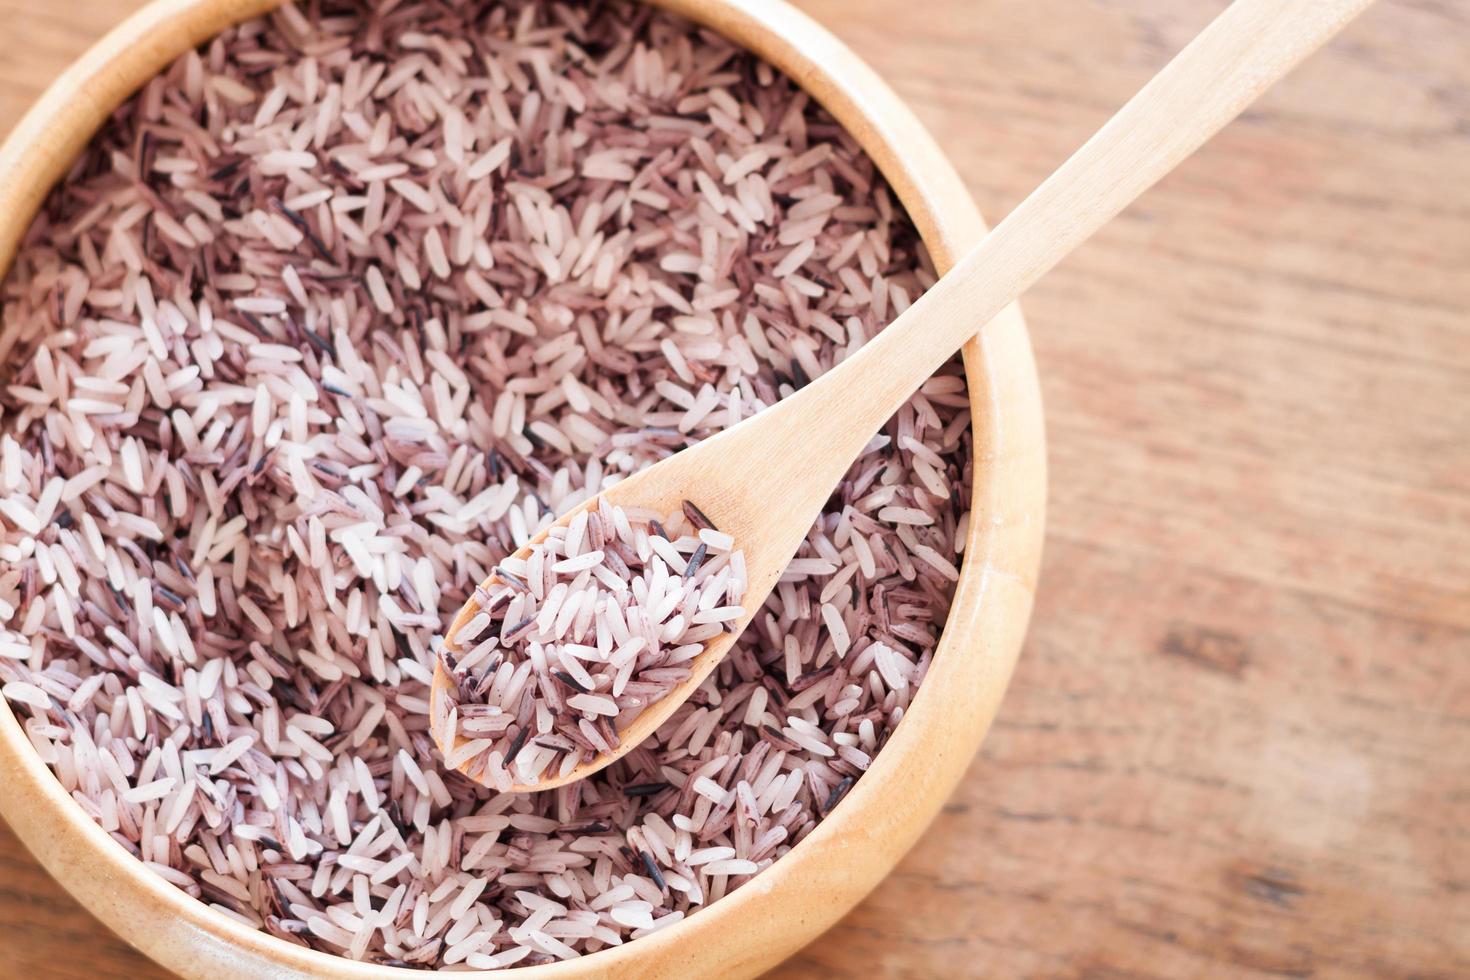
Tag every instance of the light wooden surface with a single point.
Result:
(1237, 741)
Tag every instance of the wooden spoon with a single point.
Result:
(765, 480)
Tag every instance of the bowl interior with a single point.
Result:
(850, 851)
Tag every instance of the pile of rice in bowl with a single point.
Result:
(325, 322)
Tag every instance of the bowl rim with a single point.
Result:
(874, 825)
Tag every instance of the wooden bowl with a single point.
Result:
(825, 875)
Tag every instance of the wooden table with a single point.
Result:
(1238, 743)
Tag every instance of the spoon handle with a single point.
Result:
(1251, 45)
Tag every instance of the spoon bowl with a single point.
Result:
(732, 498)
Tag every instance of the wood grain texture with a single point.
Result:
(1236, 742)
